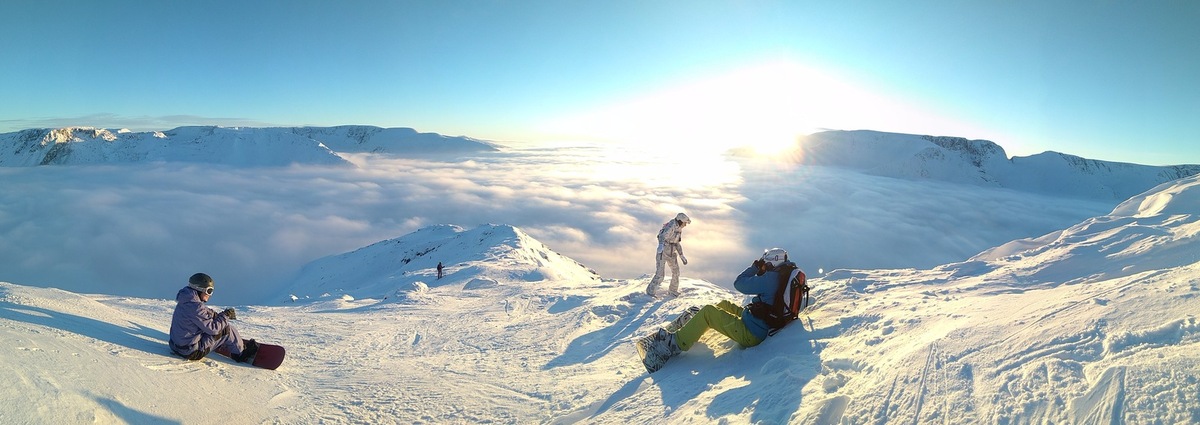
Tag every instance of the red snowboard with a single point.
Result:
(269, 356)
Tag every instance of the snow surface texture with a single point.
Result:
(1093, 324)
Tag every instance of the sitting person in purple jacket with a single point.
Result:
(197, 330)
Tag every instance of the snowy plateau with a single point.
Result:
(1091, 322)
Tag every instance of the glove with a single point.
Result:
(760, 267)
(681, 257)
(230, 313)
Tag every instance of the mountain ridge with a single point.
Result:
(245, 146)
(978, 162)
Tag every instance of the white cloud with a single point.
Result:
(141, 230)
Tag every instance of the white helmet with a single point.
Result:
(683, 218)
(775, 256)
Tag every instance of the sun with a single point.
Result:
(765, 108)
(762, 109)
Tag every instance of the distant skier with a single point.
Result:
(439, 269)
(740, 324)
(197, 330)
(669, 252)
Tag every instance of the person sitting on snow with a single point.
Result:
(738, 323)
(196, 329)
(668, 253)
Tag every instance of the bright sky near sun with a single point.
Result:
(1108, 80)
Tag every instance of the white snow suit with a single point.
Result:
(669, 253)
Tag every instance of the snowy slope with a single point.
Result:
(477, 257)
(1093, 324)
(980, 162)
(241, 146)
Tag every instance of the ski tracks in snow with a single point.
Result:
(940, 391)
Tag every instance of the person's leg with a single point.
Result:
(659, 263)
(715, 318)
(673, 263)
(230, 340)
(672, 259)
(730, 307)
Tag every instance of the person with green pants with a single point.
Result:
(735, 322)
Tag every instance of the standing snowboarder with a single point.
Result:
(669, 252)
(197, 329)
(439, 269)
(741, 324)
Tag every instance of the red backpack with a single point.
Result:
(791, 297)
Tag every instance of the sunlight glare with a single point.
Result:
(766, 108)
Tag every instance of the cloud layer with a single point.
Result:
(142, 229)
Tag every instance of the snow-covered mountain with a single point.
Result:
(980, 162)
(359, 138)
(1095, 323)
(240, 146)
(482, 256)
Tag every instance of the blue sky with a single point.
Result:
(1100, 79)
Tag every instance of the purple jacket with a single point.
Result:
(191, 321)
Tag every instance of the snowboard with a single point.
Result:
(269, 356)
(683, 318)
(652, 361)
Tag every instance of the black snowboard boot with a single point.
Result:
(251, 348)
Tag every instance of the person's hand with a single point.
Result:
(681, 257)
(230, 313)
(760, 266)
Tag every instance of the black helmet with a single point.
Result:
(200, 282)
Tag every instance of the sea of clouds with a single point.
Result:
(142, 229)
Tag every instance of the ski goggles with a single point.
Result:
(208, 290)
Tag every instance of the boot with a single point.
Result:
(251, 348)
(672, 348)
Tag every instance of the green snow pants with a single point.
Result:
(724, 317)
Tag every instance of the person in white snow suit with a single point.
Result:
(197, 329)
(670, 251)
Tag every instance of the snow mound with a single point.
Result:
(1152, 231)
(1180, 197)
(486, 256)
